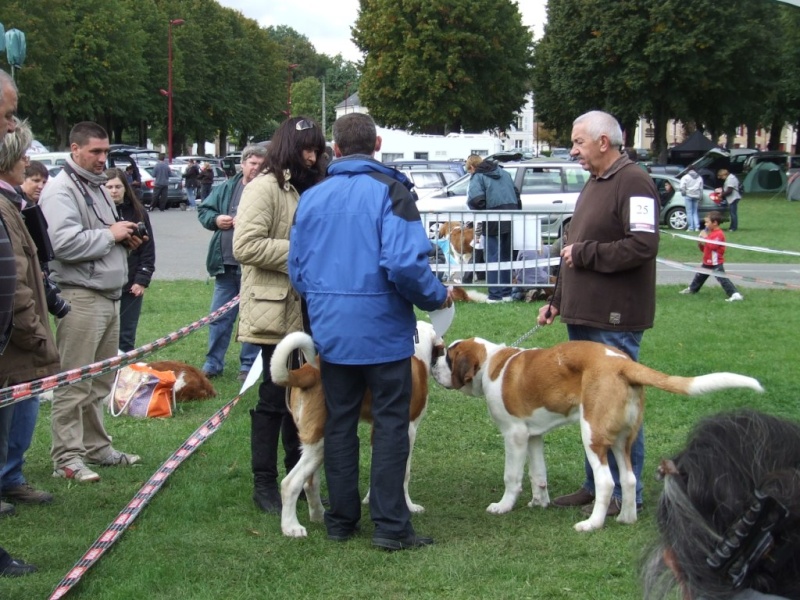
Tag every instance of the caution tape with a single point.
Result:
(123, 520)
(23, 391)
(734, 245)
(691, 269)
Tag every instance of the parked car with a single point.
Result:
(662, 169)
(415, 164)
(176, 194)
(779, 158)
(544, 185)
(715, 159)
(560, 153)
(511, 155)
(673, 210)
(429, 181)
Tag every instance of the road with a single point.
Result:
(182, 245)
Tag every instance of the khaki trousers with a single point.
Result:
(89, 333)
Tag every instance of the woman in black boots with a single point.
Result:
(268, 307)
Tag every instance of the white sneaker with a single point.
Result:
(735, 297)
(508, 299)
(77, 471)
(686, 291)
(117, 458)
(492, 301)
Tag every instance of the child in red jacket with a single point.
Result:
(713, 258)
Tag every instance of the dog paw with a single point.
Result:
(626, 519)
(498, 508)
(587, 525)
(294, 530)
(543, 502)
(416, 508)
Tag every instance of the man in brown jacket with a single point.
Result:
(607, 284)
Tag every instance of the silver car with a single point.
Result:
(673, 206)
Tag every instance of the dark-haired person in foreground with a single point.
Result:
(91, 245)
(358, 255)
(729, 515)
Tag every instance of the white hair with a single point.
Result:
(598, 123)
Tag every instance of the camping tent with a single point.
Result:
(765, 177)
(690, 149)
(793, 189)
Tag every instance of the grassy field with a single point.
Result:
(202, 537)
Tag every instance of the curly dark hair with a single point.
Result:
(285, 151)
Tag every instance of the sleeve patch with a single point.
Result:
(643, 214)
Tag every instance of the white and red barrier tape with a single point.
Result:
(23, 391)
(142, 497)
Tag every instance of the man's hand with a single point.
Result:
(547, 314)
(123, 230)
(224, 222)
(566, 256)
(448, 301)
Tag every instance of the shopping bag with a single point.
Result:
(141, 392)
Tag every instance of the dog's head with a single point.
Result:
(460, 366)
(427, 345)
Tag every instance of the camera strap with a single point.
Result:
(79, 183)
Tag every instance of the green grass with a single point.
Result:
(202, 537)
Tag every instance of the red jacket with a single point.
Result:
(713, 254)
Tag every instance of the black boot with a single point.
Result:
(264, 431)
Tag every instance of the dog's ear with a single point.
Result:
(463, 371)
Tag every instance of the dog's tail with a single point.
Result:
(461, 294)
(639, 374)
(279, 365)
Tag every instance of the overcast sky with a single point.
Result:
(327, 23)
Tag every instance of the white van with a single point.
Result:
(51, 159)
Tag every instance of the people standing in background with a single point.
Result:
(135, 180)
(191, 175)
(217, 213)
(269, 308)
(161, 173)
(692, 189)
(206, 180)
(36, 175)
(91, 245)
(606, 290)
(713, 258)
(31, 353)
(141, 262)
(492, 188)
(730, 192)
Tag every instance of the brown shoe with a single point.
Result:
(7, 510)
(614, 508)
(27, 494)
(580, 498)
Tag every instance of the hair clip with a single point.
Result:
(750, 539)
(667, 467)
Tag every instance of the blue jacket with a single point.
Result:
(358, 254)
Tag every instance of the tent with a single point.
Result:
(765, 177)
(793, 189)
(690, 149)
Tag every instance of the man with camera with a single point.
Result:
(91, 246)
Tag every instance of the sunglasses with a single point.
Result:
(303, 124)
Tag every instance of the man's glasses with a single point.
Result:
(303, 124)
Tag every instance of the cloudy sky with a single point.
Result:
(326, 23)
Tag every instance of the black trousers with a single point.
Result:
(344, 385)
(160, 197)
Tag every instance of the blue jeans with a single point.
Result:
(226, 287)
(23, 424)
(6, 415)
(191, 194)
(498, 249)
(691, 212)
(628, 342)
(734, 208)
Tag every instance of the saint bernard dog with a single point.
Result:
(530, 392)
(307, 405)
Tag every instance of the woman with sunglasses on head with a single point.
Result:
(141, 262)
(269, 308)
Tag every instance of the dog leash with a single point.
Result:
(537, 327)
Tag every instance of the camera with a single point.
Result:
(141, 230)
(56, 305)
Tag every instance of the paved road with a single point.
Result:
(182, 245)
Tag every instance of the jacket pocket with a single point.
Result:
(267, 314)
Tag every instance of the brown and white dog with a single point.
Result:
(307, 405)
(530, 392)
(190, 383)
(460, 237)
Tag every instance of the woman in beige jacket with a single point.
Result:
(268, 306)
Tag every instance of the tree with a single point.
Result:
(436, 66)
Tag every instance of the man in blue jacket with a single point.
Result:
(358, 254)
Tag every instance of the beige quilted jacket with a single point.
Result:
(269, 308)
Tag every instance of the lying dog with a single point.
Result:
(461, 294)
(530, 392)
(307, 405)
(461, 238)
(190, 383)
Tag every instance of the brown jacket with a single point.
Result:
(269, 307)
(612, 285)
(31, 353)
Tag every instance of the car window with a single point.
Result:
(541, 181)
(424, 179)
(575, 179)
(450, 176)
